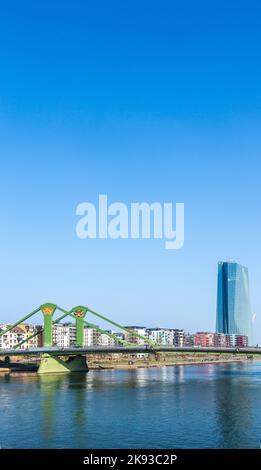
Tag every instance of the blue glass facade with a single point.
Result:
(233, 301)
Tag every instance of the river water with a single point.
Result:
(196, 406)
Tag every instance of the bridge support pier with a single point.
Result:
(77, 364)
(55, 365)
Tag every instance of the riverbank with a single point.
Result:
(132, 362)
(163, 362)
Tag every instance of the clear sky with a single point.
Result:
(143, 101)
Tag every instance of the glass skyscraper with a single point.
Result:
(233, 301)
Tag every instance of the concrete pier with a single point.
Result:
(55, 365)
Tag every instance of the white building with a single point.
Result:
(161, 335)
(132, 338)
(64, 335)
(20, 333)
(93, 337)
(120, 335)
(107, 340)
(88, 336)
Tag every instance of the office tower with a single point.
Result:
(233, 301)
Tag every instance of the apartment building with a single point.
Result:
(204, 339)
(162, 336)
(132, 338)
(223, 340)
(93, 337)
(64, 335)
(18, 334)
(179, 337)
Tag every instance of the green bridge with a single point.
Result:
(53, 358)
(50, 360)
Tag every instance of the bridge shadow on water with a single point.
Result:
(61, 408)
(68, 402)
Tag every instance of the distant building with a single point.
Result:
(240, 341)
(39, 337)
(189, 339)
(233, 301)
(221, 340)
(204, 339)
(179, 338)
(160, 335)
(106, 340)
(64, 335)
(18, 334)
(88, 336)
(132, 338)
(92, 337)
(120, 335)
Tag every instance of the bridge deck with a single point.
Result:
(124, 350)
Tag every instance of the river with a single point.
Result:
(196, 406)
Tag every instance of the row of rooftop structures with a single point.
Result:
(64, 335)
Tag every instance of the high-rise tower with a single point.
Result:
(233, 301)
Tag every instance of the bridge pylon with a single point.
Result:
(53, 364)
(79, 314)
(48, 311)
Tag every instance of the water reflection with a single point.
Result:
(62, 406)
(235, 407)
(185, 406)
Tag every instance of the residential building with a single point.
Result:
(204, 339)
(18, 334)
(88, 336)
(120, 335)
(240, 341)
(160, 335)
(221, 340)
(132, 338)
(107, 340)
(189, 339)
(228, 341)
(93, 337)
(179, 338)
(64, 335)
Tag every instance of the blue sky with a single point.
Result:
(143, 101)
